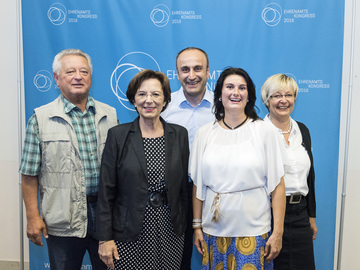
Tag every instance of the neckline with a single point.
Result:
(233, 128)
(230, 130)
(162, 136)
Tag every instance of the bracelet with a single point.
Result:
(102, 242)
(196, 226)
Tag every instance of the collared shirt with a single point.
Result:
(84, 126)
(296, 160)
(181, 112)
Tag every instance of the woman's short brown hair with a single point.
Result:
(144, 75)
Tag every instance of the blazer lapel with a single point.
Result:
(169, 145)
(137, 144)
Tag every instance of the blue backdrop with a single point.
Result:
(301, 38)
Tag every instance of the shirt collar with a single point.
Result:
(68, 106)
(293, 122)
(206, 99)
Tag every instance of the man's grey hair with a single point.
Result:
(57, 59)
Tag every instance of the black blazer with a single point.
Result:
(310, 197)
(123, 185)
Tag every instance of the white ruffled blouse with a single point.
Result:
(242, 166)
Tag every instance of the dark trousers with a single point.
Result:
(189, 233)
(297, 251)
(67, 253)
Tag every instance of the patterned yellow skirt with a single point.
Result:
(235, 253)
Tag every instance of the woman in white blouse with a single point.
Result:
(237, 170)
(279, 93)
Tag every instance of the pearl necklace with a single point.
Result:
(232, 128)
(289, 130)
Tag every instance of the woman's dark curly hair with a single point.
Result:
(250, 106)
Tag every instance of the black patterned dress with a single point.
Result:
(157, 247)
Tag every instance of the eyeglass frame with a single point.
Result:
(280, 96)
(154, 96)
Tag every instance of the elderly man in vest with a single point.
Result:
(61, 158)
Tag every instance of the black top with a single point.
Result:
(310, 197)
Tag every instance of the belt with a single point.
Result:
(157, 199)
(91, 199)
(294, 198)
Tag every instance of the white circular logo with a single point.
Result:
(160, 15)
(271, 14)
(129, 65)
(57, 13)
(43, 80)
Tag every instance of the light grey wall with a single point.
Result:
(349, 162)
(9, 135)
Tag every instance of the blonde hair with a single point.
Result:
(275, 83)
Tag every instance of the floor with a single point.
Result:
(6, 265)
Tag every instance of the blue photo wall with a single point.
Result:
(301, 38)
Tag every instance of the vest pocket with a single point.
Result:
(55, 208)
(56, 153)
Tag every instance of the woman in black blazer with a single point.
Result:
(279, 94)
(142, 199)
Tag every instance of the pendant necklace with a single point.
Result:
(289, 130)
(232, 128)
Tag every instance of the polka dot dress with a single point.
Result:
(158, 247)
